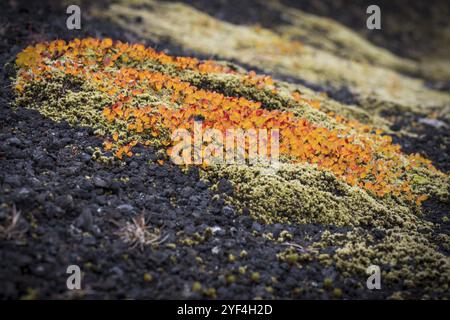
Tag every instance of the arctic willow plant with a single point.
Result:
(356, 153)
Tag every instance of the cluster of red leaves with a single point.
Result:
(368, 160)
(105, 53)
(357, 154)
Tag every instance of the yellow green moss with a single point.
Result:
(304, 194)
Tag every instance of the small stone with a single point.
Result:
(246, 221)
(196, 214)
(186, 192)
(99, 182)
(53, 211)
(35, 182)
(117, 271)
(215, 250)
(65, 202)
(125, 207)
(13, 180)
(85, 157)
(228, 211)
(85, 220)
(201, 184)
(225, 186)
(256, 226)
(39, 270)
(14, 141)
(24, 194)
(218, 231)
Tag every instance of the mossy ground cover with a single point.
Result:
(141, 104)
(230, 232)
(345, 174)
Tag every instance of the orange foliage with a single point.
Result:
(358, 154)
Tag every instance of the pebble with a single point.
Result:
(14, 141)
(125, 207)
(225, 186)
(99, 182)
(85, 220)
(215, 250)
